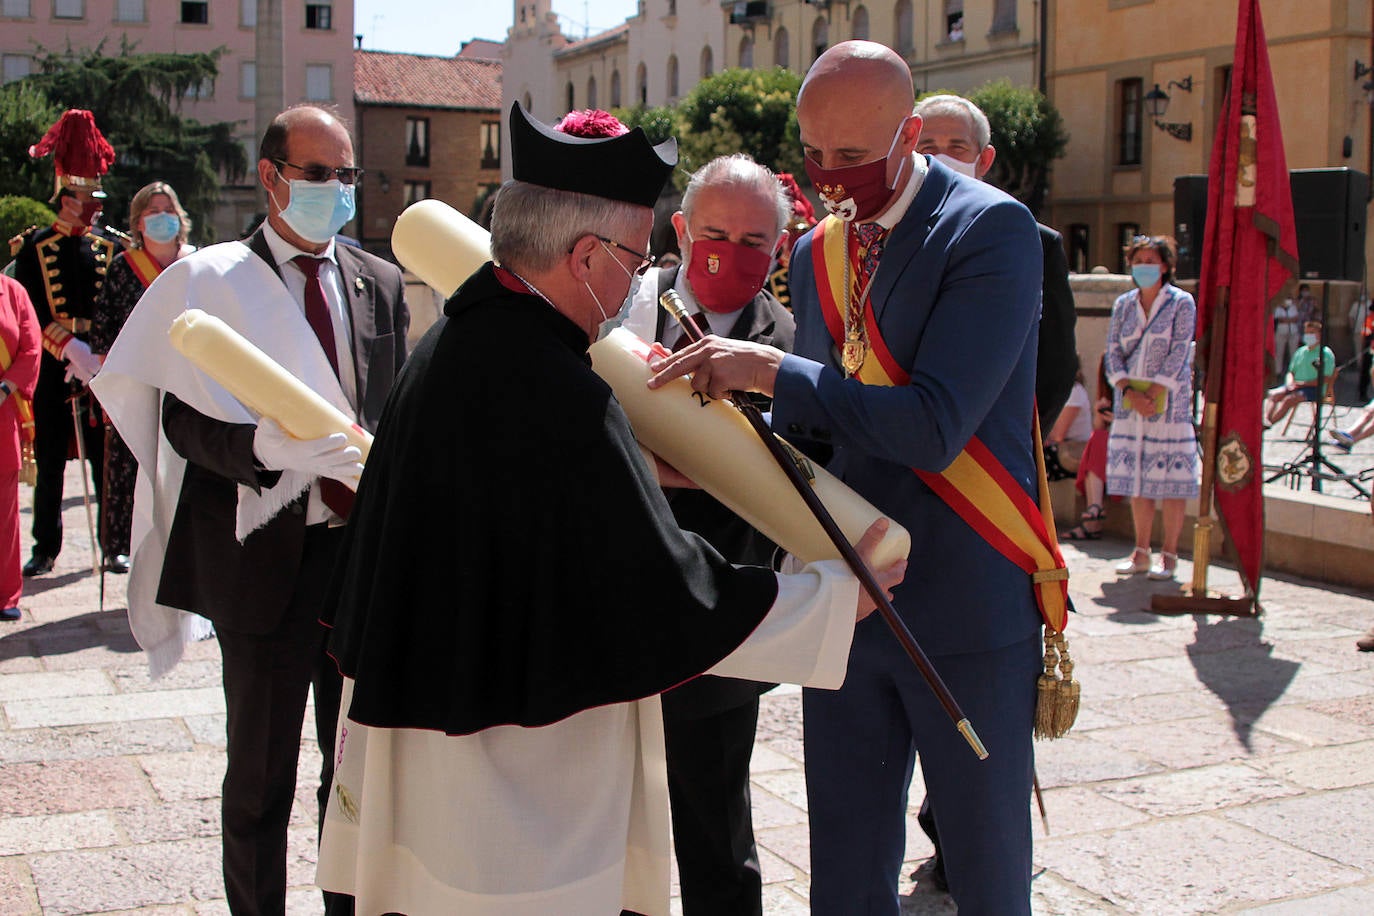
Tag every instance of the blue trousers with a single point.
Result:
(861, 746)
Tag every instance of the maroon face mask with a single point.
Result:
(854, 192)
(724, 275)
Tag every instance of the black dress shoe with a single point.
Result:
(118, 564)
(38, 565)
(11, 614)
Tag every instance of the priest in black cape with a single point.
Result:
(514, 594)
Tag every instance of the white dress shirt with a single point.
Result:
(283, 251)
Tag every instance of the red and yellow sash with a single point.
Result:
(976, 485)
(144, 265)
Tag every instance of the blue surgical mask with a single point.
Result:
(161, 227)
(318, 209)
(1145, 275)
(1310, 339)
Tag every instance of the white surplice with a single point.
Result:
(567, 819)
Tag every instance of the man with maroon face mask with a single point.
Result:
(916, 302)
(732, 217)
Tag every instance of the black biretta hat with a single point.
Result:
(627, 168)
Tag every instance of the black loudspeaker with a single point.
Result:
(1190, 218)
(1328, 213)
(1329, 209)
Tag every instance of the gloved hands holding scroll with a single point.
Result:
(82, 364)
(327, 456)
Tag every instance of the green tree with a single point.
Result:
(18, 214)
(1028, 134)
(25, 115)
(136, 100)
(750, 111)
(659, 123)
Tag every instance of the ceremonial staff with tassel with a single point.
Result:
(790, 463)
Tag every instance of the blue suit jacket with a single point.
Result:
(957, 297)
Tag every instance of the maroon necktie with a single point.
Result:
(872, 237)
(336, 496)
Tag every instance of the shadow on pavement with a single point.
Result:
(95, 630)
(1234, 662)
(40, 584)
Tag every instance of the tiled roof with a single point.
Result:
(422, 81)
(484, 48)
(611, 36)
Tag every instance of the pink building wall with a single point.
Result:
(161, 30)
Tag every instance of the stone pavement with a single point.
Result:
(1219, 764)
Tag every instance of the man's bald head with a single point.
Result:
(855, 107)
(870, 74)
(299, 118)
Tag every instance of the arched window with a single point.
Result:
(615, 88)
(820, 37)
(781, 51)
(572, 99)
(642, 84)
(903, 28)
(746, 52)
(708, 63)
(860, 22)
(591, 92)
(672, 77)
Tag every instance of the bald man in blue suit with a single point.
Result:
(952, 269)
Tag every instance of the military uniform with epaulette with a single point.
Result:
(63, 269)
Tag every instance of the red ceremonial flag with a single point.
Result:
(1249, 252)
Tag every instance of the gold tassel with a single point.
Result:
(1047, 689)
(28, 467)
(1057, 693)
(1066, 704)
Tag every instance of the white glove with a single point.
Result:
(328, 456)
(82, 364)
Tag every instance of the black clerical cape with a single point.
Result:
(510, 559)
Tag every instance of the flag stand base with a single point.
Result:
(1206, 602)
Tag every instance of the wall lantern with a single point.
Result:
(1157, 103)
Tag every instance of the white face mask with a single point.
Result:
(963, 168)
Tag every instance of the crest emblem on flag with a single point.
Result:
(1235, 466)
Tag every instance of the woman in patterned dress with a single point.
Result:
(1152, 451)
(159, 228)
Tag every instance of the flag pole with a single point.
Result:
(1197, 599)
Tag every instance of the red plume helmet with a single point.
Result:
(80, 151)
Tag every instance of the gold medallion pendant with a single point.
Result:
(853, 354)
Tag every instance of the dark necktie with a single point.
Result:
(336, 496)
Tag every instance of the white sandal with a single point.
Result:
(1165, 568)
(1133, 564)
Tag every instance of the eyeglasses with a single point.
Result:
(346, 174)
(645, 260)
